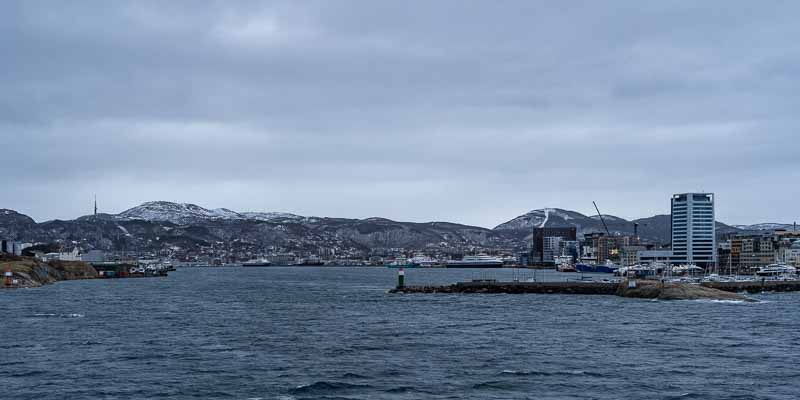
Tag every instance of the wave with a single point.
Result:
(325, 387)
(501, 385)
(350, 375)
(548, 373)
(52, 315)
(716, 301)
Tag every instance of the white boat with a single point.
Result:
(777, 270)
(423, 261)
(257, 263)
(564, 264)
(691, 270)
(479, 261)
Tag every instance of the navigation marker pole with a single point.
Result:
(8, 275)
(401, 278)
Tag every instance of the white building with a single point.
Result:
(791, 255)
(551, 248)
(11, 247)
(693, 229)
(73, 255)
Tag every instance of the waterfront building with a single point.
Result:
(94, 256)
(73, 255)
(282, 259)
(12, 247)
(629, 255)
(749, 252)
(544, 240)
(693, 229)
(652, 256)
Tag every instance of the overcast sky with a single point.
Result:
(473, 112)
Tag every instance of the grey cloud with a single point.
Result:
(448, 110)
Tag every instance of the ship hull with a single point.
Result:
(474, 265)
(584, 268)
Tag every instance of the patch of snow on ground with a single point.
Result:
(546, 217)
(122, 228)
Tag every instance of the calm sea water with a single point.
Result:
(334, 333)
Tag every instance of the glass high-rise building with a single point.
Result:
(693, 229)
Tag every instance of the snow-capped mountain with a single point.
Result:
(162, 225)
(547, 217)
(177, 213)
(186, 213)
(273, 216)
(769, 226)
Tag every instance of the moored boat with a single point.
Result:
(257, 263)
(777, 270)
(479, 261)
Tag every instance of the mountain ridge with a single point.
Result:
(163, 225)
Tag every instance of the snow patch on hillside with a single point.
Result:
(273, 216)
(769, 226)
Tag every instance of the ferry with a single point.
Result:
(257, 263)
(479, 261)
(423, 261)
(402, 263)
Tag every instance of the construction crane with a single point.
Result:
(601, 218)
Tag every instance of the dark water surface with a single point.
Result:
(334, 333)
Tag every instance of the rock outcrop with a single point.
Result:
(28, 272)
(647, 289)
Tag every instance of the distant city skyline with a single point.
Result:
(415, 111)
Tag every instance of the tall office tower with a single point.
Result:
(693, 229)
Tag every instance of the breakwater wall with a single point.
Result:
(647, 289)
(599, 288)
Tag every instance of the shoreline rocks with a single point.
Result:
(29, 272)
(642, 289)
(647, 289)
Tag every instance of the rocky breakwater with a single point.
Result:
(29, 272)
(643, 289)
(651, 289)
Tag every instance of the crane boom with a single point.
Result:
(601, 218)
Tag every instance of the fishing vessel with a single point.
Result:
(479, 261)
(564, 264)
(607, 268)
